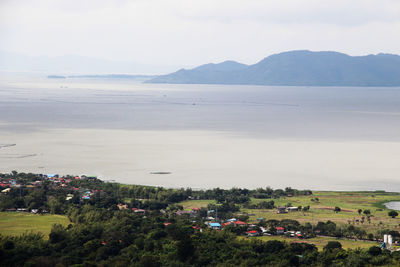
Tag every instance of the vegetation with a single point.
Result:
(13, 223)
(93, 223)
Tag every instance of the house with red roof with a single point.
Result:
(252, 233)
(240, 223)
(280, 230)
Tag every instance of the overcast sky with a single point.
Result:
(192, 32)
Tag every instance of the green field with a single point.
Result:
(16, 223)
(322, 210)
(349, 202)
(190, 204)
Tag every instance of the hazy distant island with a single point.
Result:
(296, 68)
(104, 76)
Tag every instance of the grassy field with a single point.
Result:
(320, 242)
(190, 204)
(349, 202)
(16, 223)
(322, 210)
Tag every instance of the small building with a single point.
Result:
(281, 210)
(122, 206)
(279, 230)
(299, 235)
(240, 223)
(265, 231)
(22, 209)
(215, 226)
(135, 210)
(293, 209)
(12, 209)
(6, 190)
(252, 233)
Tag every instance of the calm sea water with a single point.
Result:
(341, 138)
(393, 205)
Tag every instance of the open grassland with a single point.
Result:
(320, 242)
(322, 210)
(190, 204)
(16, 223)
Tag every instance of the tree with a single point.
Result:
(366, 212)
(333, 245)
(359, 211)
(337, 209)
(393, 213)
(375, 251)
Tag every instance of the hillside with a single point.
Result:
(302, 68)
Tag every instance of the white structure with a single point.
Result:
(388, 241)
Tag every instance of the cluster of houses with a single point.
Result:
(7, 184)
(252, 229)
(125, 207)
(33, 211)
(54, 178)
(63, 181)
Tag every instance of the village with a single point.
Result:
(288, 218)
(56, 181)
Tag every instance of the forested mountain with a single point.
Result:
(301, 68)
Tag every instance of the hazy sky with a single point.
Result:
(192, 32)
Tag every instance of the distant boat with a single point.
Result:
(160, 173)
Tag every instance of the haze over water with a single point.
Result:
(205, 135)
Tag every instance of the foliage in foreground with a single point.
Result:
(122, 238)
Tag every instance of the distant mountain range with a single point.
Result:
(297, 68)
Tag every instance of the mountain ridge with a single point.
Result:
(296, 68)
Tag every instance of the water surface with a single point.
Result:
(339, 138)
(393, 205)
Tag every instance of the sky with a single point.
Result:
(193, 32)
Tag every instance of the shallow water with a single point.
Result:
(205, 135)
(393, 205)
